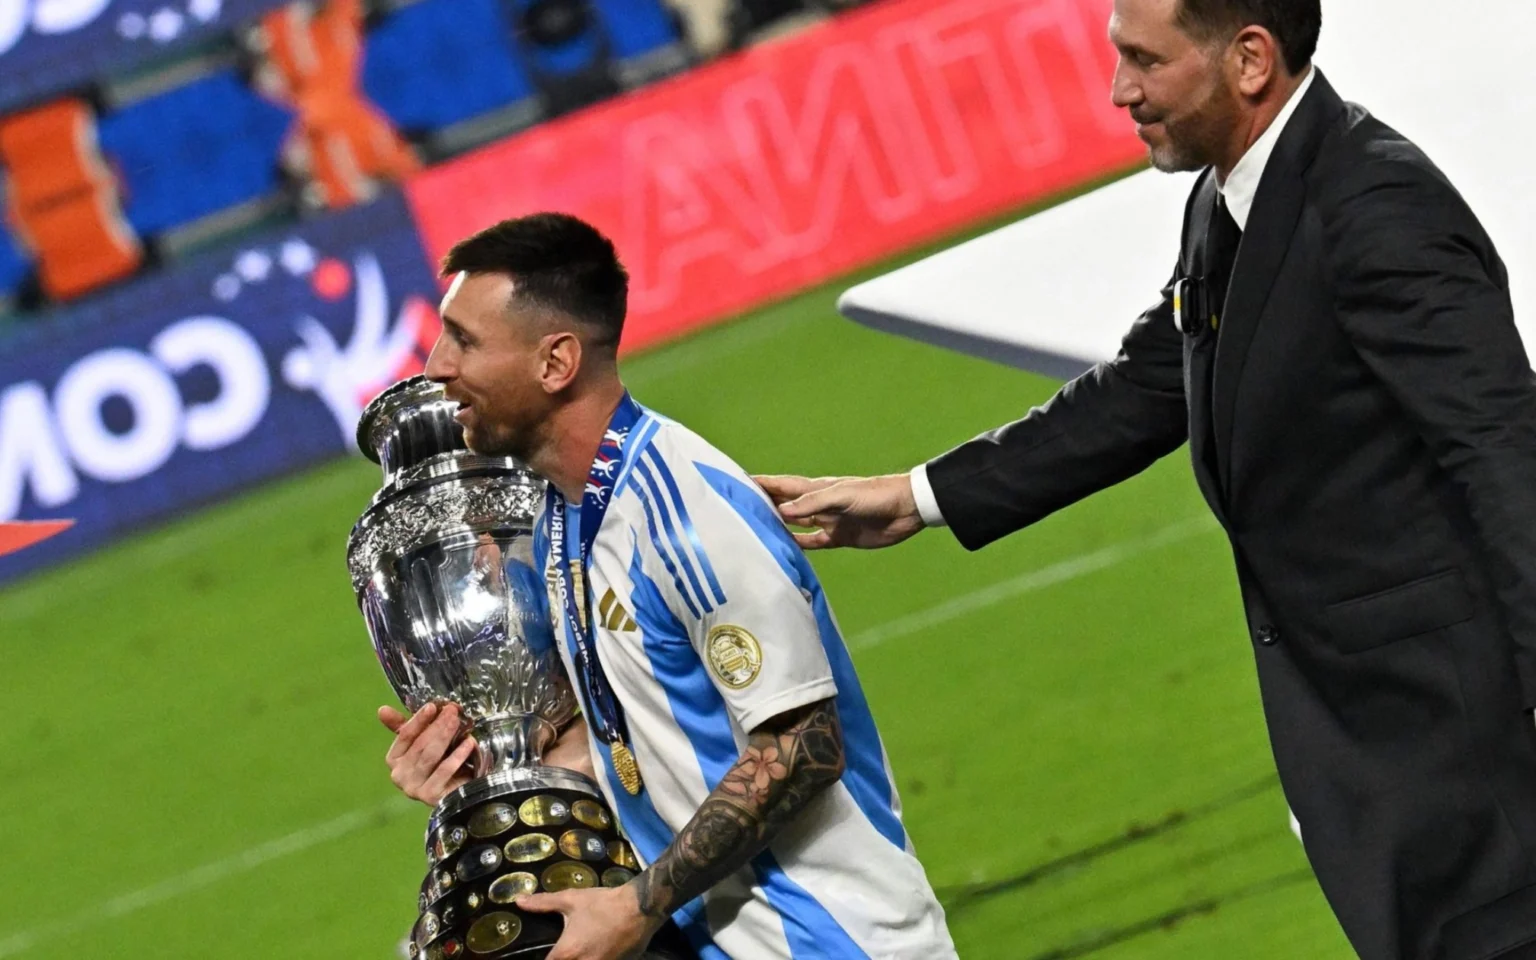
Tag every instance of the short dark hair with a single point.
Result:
(559, 262)
(1295, 23)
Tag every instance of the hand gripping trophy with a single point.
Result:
(442, 565)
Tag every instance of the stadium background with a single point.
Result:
(221, 220)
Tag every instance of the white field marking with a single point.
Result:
(1069, 569)
(313, 836)
(203, 876)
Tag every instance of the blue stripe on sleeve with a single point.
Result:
(661, 550)
(665, 472)
(865, 775)
(645, 480)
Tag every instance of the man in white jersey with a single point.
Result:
(726, 723)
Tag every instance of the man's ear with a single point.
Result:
(560, 357)
(1258, 59)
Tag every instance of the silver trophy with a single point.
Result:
(442, 565)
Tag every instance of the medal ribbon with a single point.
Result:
(570, 551)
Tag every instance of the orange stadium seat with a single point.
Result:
(62, 200)
(314, 62)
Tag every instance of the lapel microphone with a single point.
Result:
(1194, 306)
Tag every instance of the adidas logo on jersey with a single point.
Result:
(611, 613)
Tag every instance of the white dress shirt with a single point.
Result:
(1238, 190)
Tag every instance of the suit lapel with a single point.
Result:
(1271, 223)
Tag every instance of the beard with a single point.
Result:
(1195, 140)
(515, 440)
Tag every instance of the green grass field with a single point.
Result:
(190, 766)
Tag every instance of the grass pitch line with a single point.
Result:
(1069, 569)
(205, 875)
(313, 836)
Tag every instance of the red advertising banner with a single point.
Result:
(803, 159)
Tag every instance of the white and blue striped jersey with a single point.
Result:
(708, 620)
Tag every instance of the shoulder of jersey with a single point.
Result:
(681, 446)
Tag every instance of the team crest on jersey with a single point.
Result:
(734, 655)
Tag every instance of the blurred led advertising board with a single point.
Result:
(801, 159)
(49, 46)
(238, 368)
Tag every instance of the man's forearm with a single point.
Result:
(786, 763)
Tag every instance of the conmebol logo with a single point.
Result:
(376, 355)
(46, 442)
(121, 413)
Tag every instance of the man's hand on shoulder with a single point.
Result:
(864, 512)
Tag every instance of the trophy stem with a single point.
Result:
(509, 740)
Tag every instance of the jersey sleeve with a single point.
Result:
(740, 587)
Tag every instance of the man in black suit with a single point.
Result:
(1337, 345)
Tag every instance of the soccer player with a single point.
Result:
(726, 723)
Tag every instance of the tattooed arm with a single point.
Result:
(788, 761)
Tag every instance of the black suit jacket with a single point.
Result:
(1364, 427)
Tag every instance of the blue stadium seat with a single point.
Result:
(14, 265)
(579, 49)
(636, 27)
(437, 62)
(194, 150)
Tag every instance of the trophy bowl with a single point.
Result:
(443, 569)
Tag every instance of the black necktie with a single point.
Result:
(1218, 259)
(1221, 242)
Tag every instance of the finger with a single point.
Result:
(443, 777)
(392, 719)
(428, 750)
(406, 736)
(781, 487)
(546, 903)
(818, 540)
(832, 499)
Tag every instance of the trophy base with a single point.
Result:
(517, 831)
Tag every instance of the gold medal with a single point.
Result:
(624, 765)
(616, 877)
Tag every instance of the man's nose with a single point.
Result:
(1124, 91)
(440, 368)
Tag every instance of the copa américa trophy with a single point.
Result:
(443, 568)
